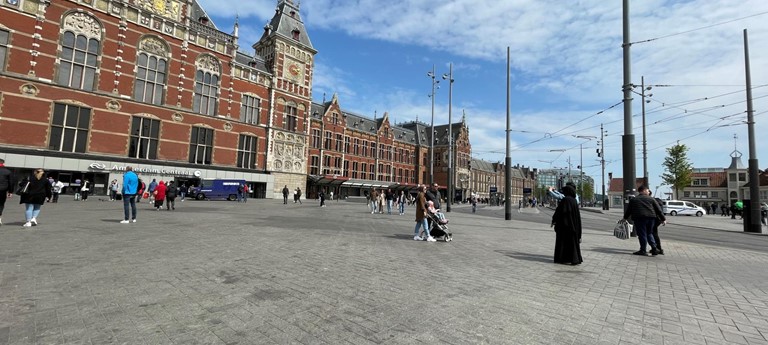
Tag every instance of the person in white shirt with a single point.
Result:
(56, 189)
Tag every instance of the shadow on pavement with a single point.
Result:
(526, 256)
(610, 250)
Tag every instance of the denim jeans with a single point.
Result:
(644, 230)
(389, 206)
(129, 200)
(421, 224)
(373, 206)
(402, 208)
(32, 211)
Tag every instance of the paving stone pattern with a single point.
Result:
(268, 273)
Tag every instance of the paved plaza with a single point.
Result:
(268, 273)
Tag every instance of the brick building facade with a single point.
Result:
(88, 87)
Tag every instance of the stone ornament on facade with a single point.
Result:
(278, 165)
(177, 117)
(154, 45)
(113, 105)
(29, 90)
(228, 126)
(81, 23)
(208, 63)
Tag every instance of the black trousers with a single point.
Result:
(655, 234)
(3, 197)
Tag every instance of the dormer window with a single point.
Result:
(203, 20)
(296, 34)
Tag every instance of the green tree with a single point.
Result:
(589, 193)
(677, 168)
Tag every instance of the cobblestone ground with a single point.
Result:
(267, 273)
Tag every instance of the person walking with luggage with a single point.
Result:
(6, 186)
(171, 192)
(644, 211)
(35, 189)
(285, 195)
(130, 189)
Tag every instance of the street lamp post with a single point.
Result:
(432, 128)
(601, 154)
(645, 147)
(581, 163)
(449, 77)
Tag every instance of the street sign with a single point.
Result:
(526, 191)
(493, 189)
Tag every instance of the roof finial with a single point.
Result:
(237, 26)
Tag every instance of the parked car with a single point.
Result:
(683, 208)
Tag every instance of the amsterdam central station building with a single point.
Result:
(88, 87)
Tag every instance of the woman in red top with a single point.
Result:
(159, 195)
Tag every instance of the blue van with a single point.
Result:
(218, 189)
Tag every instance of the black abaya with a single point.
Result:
(567, 221)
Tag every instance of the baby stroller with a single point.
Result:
(438, 228)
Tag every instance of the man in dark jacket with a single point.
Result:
(644, 210)
(433, 195)
(6, 186)
(285, 195)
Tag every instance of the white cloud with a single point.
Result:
(569, 52)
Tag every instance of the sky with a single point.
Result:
(566, 72)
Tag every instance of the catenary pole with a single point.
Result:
(628, 139)
(754, 179)
(508, 159)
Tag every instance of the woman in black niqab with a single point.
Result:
(567, 223)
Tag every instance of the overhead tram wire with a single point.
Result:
(700, 28)
(553, 134)
(735, 123)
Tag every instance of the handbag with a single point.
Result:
(23, 188)
(622, 229)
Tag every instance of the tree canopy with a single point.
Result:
(677, 168)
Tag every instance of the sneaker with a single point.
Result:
(124, 221)
(431, 239)
(417, 238)
(134, 220)
(27, 225)
(1, 221)
(660, 251)
(33, 221)
(640, 252)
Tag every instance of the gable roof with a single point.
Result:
(617, 184)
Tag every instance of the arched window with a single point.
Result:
(151, 71)
(80, 49)
(206, 85)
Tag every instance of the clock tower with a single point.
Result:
(289, 57)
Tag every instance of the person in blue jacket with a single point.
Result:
(130, 188)
(559, 196)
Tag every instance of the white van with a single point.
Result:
(684, 208)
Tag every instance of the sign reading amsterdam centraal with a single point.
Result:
(163, 171)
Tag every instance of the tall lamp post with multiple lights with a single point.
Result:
(449, 77)
(581, 163)
(645, 143)
(431, 75)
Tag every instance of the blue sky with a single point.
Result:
(566, 68)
